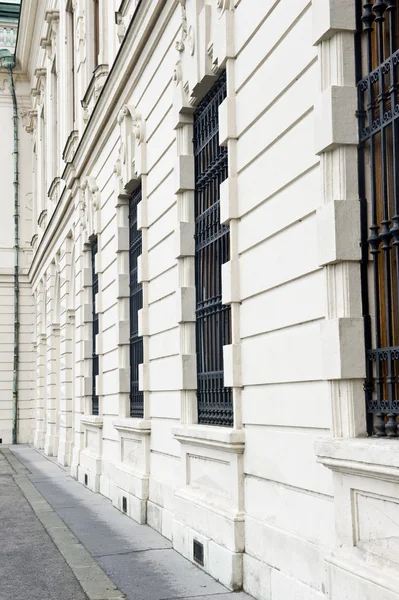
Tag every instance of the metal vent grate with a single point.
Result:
(198, 552)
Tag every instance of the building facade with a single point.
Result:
(209, 304)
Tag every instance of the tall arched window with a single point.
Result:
(213, 328)
(96, 18)
(378, 92)
(136, 303)
(95, 363)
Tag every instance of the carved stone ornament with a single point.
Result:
(100, 77)
(225, 5)
(38, 90)
(121, 27)
(130, 163)
(29, 120)
(49, 40)
(70, 146)
(89, 205)
(4, 85)
(54, 190)
(187, 32)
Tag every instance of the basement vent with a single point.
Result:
(1, 440)
(86, 479)
(124, 504)
(198, 552)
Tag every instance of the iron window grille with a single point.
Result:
(136, 303)
(377, 54)
(94, 363)
(213, 326)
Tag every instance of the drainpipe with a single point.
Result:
(7, 61)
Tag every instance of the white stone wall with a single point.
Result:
(289, 523)
(25, 386)
(257, 496)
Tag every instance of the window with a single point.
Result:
(96, 16)
(136, 303)
(211, 251)
(378, 111)
(43, 160)
(94, 291)
(71, 46)
(54, 103)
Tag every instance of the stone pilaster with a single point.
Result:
(66, 355)
(52, 360)
(40, 348)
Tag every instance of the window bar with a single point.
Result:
(95, 364)
(211, 242)
(136, 303)
(369, 383)
(385, 234)
(378, 114)
(391, 426)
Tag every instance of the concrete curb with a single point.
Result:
(95, 583)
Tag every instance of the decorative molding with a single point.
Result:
(33, 241)
(94, 421)
(221, 438)
(366, 457)
(140, 426)
(224, 5)
(4, 85)
(131, 161)
(89, 205)
(70, 146)
(38, 90)
(49, 41)
(93, 91)
(54, 190)
(42, 219)
(29, 120)
(201, 60)
(121, 27)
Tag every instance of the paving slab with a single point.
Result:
(159, 574)
(133, 561)
(226, 596)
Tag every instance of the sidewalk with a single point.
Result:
(89, 532)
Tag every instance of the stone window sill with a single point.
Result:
(360, 456)
(142, 426)
(92, 421)
(222, 438)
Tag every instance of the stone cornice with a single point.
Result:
(114, 94)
